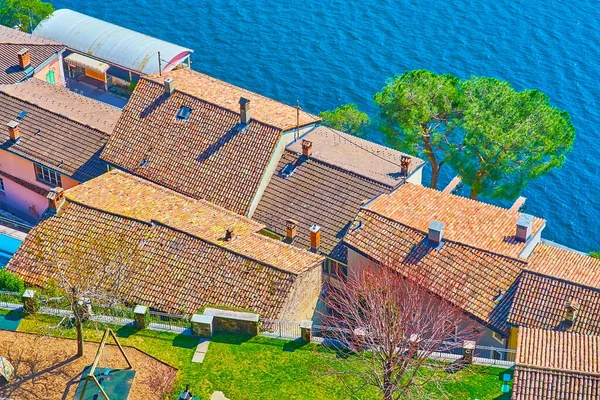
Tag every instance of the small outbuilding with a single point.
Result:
(107, 54)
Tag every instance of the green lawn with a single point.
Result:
(259, 367)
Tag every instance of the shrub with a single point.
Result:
(11, 282)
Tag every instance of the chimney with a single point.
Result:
(291, 229)
(524, 227)
(169, 86)
(229, 235)
(13, 130)
(56, 198)
(306, 147)
(315, 238)
(244, 111)
(24, 58)
(405, 165)
(436, 233)
(571, 310)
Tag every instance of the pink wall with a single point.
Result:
(55, 66)
(20, 197)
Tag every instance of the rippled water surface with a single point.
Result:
(326, 53)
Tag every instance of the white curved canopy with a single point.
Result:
(115, 44)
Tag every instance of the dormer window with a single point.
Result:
(183, 114)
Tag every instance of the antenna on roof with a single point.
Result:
(159, 65)
(297, 119)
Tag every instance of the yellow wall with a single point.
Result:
(512, 338)
(95, 75)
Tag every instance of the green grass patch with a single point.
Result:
(261, 368)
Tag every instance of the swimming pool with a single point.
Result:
(8, 246)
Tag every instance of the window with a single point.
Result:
(184, 113)
(47, 176)
(50, 78)
(1, 186)
(336, 269)
(498, 337)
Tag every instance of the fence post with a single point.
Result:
(29, 303)
(202, 325)
(468, 349)
(141, 317)
(306, 331)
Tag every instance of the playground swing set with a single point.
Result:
(91, 377)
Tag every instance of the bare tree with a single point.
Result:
(91, 272)
(390, 327)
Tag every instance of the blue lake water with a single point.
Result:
(327, 53)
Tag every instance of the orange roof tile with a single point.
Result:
(226, 95)
(62, 101)
(207, 156)
(122, 194)
(566, 264)
(173, 271)
(481, 274)
(468, 222)
(556, 365)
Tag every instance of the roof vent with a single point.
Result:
(436, 233)
(24, 58)
(169, 86)
(229, 235)
(13, 131)
(245, 116)
(524, 227)
(571, 310)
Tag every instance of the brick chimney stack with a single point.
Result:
(24, 58)
(306, 147)
(245, 115)
(291, 229)
(315, 238)
(56, 198)
(405, 165)
(13, 131)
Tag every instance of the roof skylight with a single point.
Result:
(184, 113)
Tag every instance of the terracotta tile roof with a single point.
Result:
(52, 140)
(362, 157)
(316, 193)
(205, 157)
(15, 36)
(66, 103)
(481, 274)
(11, 72)
(226, 95)
(177, 272)
(540, 301)
(122, 194)
(469, 222)
(556, 365)
(566, 264)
